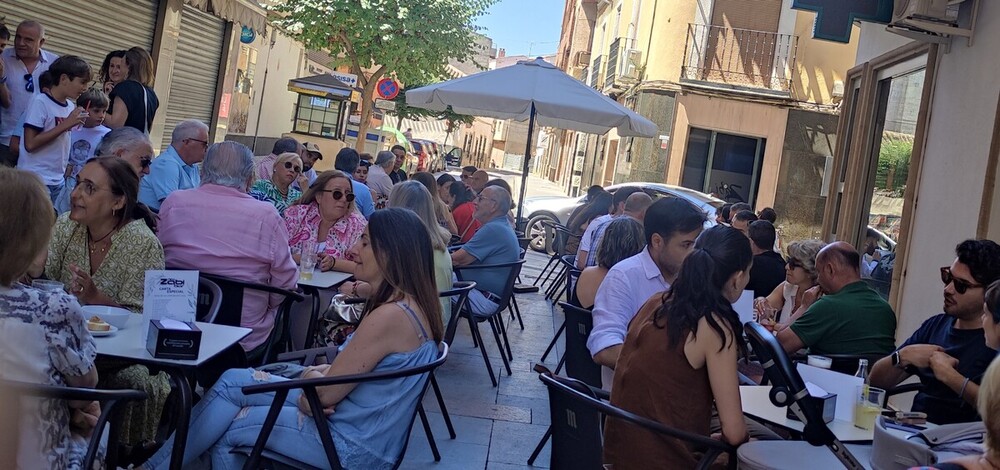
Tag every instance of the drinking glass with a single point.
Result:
(307, 260)
(48, 286)
(867, 406)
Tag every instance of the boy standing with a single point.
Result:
(48, 120)
(84, 141)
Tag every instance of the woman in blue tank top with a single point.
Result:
(401, 328)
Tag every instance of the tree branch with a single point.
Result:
(354, 59)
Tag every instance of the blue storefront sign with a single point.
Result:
(247, 35)
(834, 18)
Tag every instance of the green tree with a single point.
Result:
(410, 40)
(451, 118)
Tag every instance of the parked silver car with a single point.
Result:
(559, 208)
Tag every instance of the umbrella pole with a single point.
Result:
(524, 171)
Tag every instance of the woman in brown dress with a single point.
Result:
(680, 357)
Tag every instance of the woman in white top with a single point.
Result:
(800, 276)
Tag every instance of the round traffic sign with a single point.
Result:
(387, 88)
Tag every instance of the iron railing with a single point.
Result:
(595, 73)
(739, 57)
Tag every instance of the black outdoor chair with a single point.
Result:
(789, 390)
(561, 282)
(578, 412)
(579, 364)
(460, 292)
(111, 401)
(231, 313)
(494, 318)
(209, 300)
(257, 455)
(561, 234)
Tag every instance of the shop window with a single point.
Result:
(317, 116)
(725, 165)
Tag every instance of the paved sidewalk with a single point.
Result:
(497, 428)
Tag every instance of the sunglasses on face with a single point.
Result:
(793, 264)
(294, 168)
(960, 285)
(338, 194)
(29, 83)
(145, 162)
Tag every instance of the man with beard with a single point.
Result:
(948, 352)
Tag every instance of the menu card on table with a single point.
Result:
(169, 295)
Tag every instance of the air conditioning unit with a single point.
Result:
(633, 60)
(929, 20)
(926, 10)
(582, 59)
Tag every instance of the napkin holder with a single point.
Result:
(165, 343)
(827, 403)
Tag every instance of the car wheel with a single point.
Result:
(536, 231)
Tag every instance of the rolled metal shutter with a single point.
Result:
(88, 29)
(195, 70)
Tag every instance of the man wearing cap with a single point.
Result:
(309, 158)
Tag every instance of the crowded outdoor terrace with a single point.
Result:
(208, 307)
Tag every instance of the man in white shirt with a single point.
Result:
(20, 68)
(671, 227)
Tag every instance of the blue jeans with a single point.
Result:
(226, 418)
(54, 191)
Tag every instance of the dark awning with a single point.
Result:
(323, 85)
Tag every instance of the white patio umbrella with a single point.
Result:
(532, 91)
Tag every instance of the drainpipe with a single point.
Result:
(263, 87)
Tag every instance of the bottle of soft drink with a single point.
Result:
(862, 370)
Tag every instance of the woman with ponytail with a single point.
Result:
(683, 346)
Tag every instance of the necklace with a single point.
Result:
(93, 244)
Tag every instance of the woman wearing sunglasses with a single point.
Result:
(278, 190)
(800, 276)
(327, 215)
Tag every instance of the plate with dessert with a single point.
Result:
(98, 327)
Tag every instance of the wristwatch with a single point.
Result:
(895, 359)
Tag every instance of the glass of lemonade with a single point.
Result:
(868, 406)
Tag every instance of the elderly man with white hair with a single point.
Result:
(379, 179)
(494, 243)
(129, 144)
(175, 168)
(218, 228)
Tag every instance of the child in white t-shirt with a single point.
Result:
(50, 116)
(84, 141)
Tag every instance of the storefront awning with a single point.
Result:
(323, 85)
(245, 12)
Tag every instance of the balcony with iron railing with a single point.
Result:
(623, 63)
(596, 80)
(739, 58)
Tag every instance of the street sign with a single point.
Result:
(385, 105)
(348, 79)
(387, 88)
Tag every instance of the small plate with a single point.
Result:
(98, 334)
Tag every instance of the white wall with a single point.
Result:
(963, 110)
(282, 63)
(875, 41)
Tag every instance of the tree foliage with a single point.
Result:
(411, 40)
(404, 111)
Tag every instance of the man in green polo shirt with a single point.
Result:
(849, 317)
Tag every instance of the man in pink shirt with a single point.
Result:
(217, 228)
